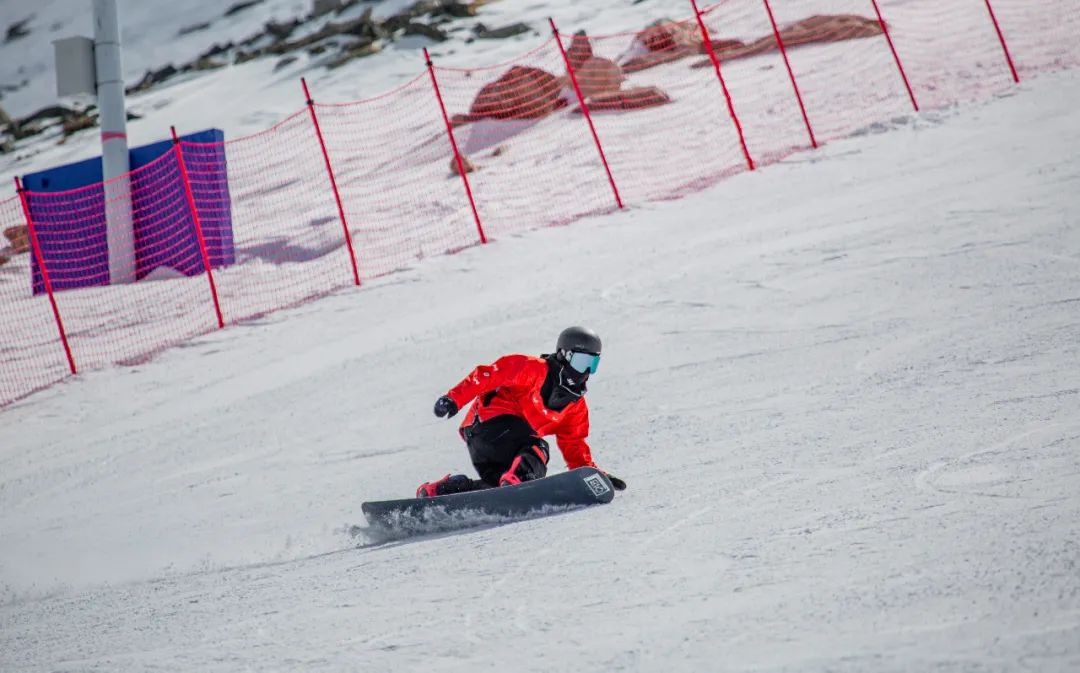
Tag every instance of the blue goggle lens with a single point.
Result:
(582, 362)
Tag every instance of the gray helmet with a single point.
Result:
(579, 340)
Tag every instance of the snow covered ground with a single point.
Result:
(843, 391)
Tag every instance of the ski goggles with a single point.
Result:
(583, 362)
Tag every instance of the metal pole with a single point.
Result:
(1004, 46)
(585, 111)
(32, 234)
(114, 145)
(453, 145)
(723, 85)
(896, 56)
(791, 74)
(333, 181)
(198, 224)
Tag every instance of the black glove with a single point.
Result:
(616, 483)
(444, 406)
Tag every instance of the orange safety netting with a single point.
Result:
(336, 194)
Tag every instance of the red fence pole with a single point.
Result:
(896, 56)
(585, 111)
(333, 181)
(44, 273)
(198, 224)
(723, 85)
(453, 144)
(1001, 37)
(791, 73)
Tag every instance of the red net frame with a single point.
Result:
(515, 124)
(127, 323)
(196, 222)
(32, 355)
(400, 195)
(333, 181)
(287, 237)
(1040, 36)
(950, 51)
(337, 192)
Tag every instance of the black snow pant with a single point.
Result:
(495, 445)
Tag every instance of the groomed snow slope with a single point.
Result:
(843, 391)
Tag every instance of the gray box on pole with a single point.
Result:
(75, 71)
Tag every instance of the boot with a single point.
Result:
(457, 483)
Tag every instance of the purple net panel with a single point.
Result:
(70, 208)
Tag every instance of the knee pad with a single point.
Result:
(531, 462)
(540, 449)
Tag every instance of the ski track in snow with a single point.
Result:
(843, 391)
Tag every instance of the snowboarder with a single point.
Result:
(519, 399)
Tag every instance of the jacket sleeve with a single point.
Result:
(571, 439)
(485, 378)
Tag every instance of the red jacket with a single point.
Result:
(516, 380)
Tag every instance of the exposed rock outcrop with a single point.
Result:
(324, 7)
(433, 33)
(241, 6)
(485, 33)
(153, 77)
(580, 49)
(665, 41)
(78, 122)
(358, 50)
(17, 30)
(667, 35)
(829, 28)
(193, 28)
(19, 238)
(637, 98)
(530, 93)
(339, 42)
(668, 41)
(818, 29)
(520, 93)
(468, 165)
(598, 75)
(69, 120)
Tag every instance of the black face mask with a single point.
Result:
(562, 385)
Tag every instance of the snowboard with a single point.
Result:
(581, 487)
